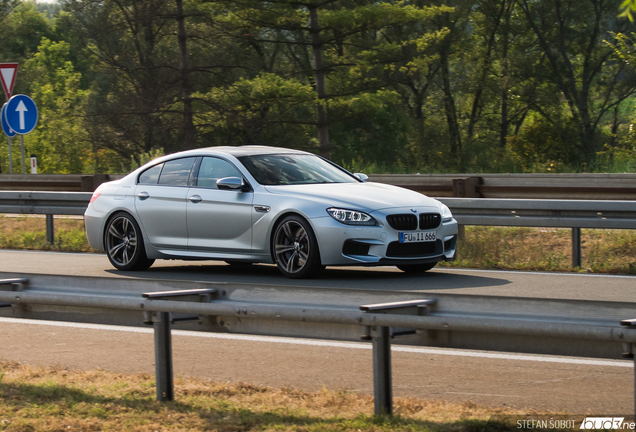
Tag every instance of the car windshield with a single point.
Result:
(290, 169)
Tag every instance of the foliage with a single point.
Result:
(414, 86)
(60, 142)
(628, 7)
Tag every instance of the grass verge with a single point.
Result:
(546, 249)
(57, 399)
(29, 232)
(603, 251)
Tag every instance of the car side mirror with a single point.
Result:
(230, 183)
(362, 177)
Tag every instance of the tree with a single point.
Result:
(329, 45)
(131, 108)
(571, 35)
(60, 141)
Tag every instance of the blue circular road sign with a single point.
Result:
(21, 114)
(5, 126)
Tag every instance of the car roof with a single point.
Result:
(237, 152)
(251, 150)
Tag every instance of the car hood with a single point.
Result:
(365, 197)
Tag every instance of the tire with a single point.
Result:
(295, 249)
(416, 268)
(124, 243)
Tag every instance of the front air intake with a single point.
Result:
(430, 220)
(402, 222)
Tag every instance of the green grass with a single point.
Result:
(57, 399)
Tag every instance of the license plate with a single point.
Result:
(417, 237)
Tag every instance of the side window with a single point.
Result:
(213, 169)
(176, 172)
(151, 175)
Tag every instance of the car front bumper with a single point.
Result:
(341, 244)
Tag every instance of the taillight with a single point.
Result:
(96, 194)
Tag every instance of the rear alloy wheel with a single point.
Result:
(416, 268)
(296, 249)
(124, 244)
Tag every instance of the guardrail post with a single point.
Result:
(382, 381)
(163, 357)
(629, 352)
(163, 337)
(467, 187)
(381, 338)
(576, 247)
(50, 230)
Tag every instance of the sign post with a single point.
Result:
(8, 72)
(34, 164)
(9, 133)
(21, 115)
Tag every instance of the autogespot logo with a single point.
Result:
(606, 423)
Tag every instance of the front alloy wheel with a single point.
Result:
(124, 244)
(296, 249)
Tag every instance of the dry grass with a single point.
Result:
(603, 251)
(57, 399)
(29, 232)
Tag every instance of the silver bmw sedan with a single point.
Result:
(257, 204)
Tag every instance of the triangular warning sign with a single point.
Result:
(8, 71)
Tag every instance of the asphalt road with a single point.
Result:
(578, 386)
(556, 384)
(500, 283)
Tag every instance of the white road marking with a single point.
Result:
(604, 275)
(334, 344)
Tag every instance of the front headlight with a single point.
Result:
(446, 213)
(351, 217)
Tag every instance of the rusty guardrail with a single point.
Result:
(523, 186)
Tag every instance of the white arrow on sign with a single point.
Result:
(21, 110)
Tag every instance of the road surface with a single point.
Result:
(578, 386)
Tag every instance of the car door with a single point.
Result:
(219, 221)
(160, 201)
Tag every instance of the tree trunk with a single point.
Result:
(323, 128)
(186, 91)
(450, 110)
(504, 120)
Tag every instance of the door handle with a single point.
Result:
(195, 199)
(143, 195)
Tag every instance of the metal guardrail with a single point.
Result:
(45, 203)
(521, 186)
(53, 203)
(544, 326)
(544, 213)
(54, 182)
(573, 214)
